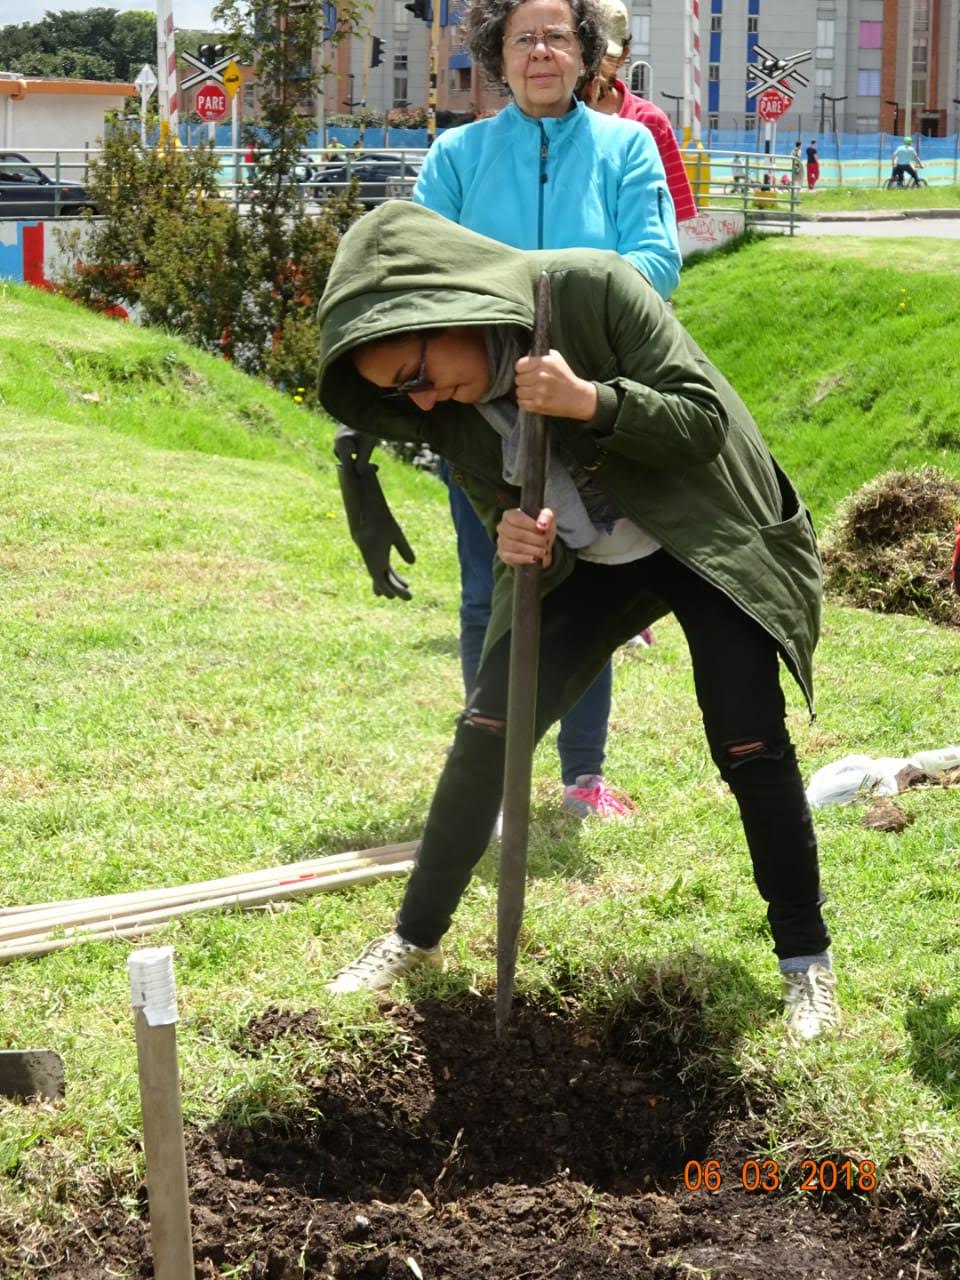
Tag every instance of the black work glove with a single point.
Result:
(371, 521)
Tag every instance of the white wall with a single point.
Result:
(56, 121)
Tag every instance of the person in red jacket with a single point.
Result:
(608, 94)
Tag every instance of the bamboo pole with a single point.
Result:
(154, 998)
(293, 868)
(135, 925)
(86, 910)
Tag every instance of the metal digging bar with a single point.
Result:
(521, 693)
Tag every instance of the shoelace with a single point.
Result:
(818, 991)
(377, 954)
(605, 800)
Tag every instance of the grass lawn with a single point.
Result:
(198, 681)
(856, 199)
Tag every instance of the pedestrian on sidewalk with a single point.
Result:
(813, 165)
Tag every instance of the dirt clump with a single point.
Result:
(567, 1151)
(890, 545)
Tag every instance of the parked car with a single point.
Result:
(380, 175)
(27, 192)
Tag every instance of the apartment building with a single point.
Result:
(862, 70)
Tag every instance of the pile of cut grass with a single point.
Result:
(890, 546)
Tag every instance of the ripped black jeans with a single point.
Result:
(736, 674)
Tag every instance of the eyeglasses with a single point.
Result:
(412, 385)
(556, 39)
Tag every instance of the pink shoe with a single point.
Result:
(590, 796)
(644, 639)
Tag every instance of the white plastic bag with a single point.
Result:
(844, 780)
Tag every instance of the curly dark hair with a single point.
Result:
(486, 20)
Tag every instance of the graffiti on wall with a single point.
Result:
(710, 229)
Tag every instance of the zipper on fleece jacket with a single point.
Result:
(544, 148)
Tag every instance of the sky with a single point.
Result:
(186, 13)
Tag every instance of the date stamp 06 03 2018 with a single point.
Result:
(764, 1175)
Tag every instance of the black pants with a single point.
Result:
(736, 674)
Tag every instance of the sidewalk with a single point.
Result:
(876, 215)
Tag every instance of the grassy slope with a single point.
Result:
(198, 681)
(840, 349)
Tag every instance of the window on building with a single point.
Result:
(249, 97)
(716, 22)
(640, 30)
(868, 124)
(401, 14)
(824, 77)
(825, 37)
(871, 35)
(713, 122)
(640, 79)
(919, 57)
(462, 80)
(753, 24)
(400, 61)
(399, 90)
(749, 122)
(713, 72)
(868, 82)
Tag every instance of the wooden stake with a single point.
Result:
(155, 1003)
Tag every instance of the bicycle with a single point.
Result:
(900, 181)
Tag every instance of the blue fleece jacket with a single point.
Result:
(578, 181)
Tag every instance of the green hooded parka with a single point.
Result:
(671, 443)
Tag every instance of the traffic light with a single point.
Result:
(376, 51)
(421, 9)
(211, 53)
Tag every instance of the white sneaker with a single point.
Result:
(382, 963)
(810, 1001)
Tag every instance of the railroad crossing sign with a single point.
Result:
(204, 72)
(772, 104)
(231, 78)
(210, 102)
(777, 73)
(146, 81)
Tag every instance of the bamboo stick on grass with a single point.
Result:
(144, 922)
(87, 910)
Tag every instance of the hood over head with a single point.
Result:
(403, 267)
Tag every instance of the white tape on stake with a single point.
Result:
(153, 987)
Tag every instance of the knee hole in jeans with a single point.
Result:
(474, 719)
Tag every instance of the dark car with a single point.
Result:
(27, 192)
(380, 175)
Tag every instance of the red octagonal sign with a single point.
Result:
(772, 104)
(210, 102)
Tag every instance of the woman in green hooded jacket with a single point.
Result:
(661, 497)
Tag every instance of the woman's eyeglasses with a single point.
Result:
(557, 39)
(420, 382)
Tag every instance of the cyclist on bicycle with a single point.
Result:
(904, 159)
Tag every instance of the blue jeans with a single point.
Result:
(583, 730)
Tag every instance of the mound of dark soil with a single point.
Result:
(561, 1153)
(890, 546)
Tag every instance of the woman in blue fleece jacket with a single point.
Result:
(548, 173)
